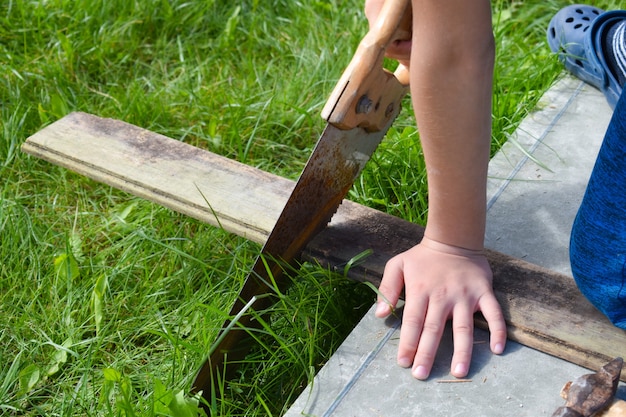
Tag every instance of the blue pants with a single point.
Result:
(598, 240)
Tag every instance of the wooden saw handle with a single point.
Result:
(367, 94)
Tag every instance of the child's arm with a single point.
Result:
(446, 276)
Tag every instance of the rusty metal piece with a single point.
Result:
(337, 160)
(589, 394)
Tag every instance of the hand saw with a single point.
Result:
(359, 112)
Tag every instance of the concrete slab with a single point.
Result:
(537, 180)
(536, 183)
(362, 379)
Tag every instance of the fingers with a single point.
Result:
(419, 342)
(463, 330)
(372, 10)
(390, 288)
(411, 334)
(463, 336)
(399, 50)
(429, 339)
(495, 320)
(440, 286)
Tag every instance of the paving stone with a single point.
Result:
(536, 183)
(362, 379)
(537, 180)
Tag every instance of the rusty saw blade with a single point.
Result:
(359, 112)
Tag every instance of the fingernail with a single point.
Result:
(498, 349)
(460, 370)
(420, 372)
(404, 362)
(381, 309)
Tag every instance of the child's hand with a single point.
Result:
(441, 282)
(399, 50)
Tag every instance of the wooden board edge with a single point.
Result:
(202, 213)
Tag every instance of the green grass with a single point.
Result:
(108, 303)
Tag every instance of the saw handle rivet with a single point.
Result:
(364, 105)
(389, 110)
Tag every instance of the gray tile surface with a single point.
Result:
(536, 183)
(538, 178)
(362, 379)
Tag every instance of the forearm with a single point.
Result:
(451, 88)
(451, 60)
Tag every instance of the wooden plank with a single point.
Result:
(543, 309)
(171, 173)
